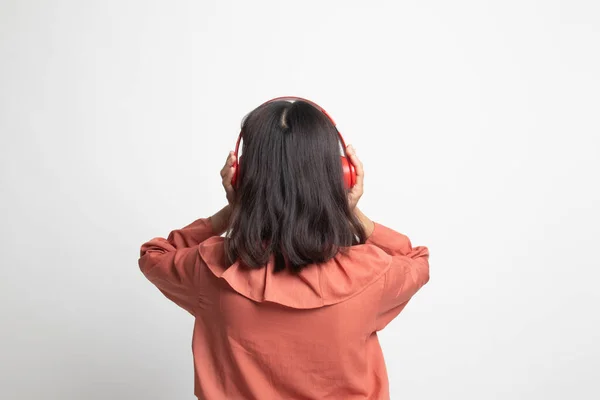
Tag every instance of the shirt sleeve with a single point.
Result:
(173, 264)
(408, 273)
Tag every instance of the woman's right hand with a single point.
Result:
(226, 176)
(357, 190)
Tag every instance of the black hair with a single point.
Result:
(290, 202)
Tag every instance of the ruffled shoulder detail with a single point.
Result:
(315, 286)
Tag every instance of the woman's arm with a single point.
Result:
(409, 269)
(220, 220)
(368, 225)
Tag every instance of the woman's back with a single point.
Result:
(261, 334)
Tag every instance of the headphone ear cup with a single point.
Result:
(349, 173)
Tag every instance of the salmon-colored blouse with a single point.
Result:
(265, 335)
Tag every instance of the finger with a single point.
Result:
(227, 177)
(230, 159)
(227, 172)
(229, 163)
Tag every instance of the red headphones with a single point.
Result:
(347, 167)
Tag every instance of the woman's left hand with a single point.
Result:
(226, 175)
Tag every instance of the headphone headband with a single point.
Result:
(296, 98)
(349, 171)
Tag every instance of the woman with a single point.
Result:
(288, 304)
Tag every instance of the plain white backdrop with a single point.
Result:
(477, 122)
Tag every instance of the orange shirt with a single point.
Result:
(264, 335)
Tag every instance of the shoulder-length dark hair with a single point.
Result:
(291, 202)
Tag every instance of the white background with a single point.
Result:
(477, 121)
